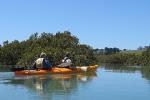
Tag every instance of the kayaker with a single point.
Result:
(66, 62)
(42, 62)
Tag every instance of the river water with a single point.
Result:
(107, 83)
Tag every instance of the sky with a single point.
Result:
(99, 23)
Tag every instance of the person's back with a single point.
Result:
(66, 62)
(39, 63)
(42, 62)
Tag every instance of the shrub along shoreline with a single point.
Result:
(127, 58)
(54, 45)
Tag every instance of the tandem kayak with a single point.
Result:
(56, 70)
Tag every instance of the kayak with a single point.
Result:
(57, 70)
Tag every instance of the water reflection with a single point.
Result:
(129, 83)
(50, 85)
(121, 68)
(144, 70)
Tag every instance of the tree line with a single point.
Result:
(106, 51)
(54, 45)
(141, 56)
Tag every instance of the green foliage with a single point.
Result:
(54, 45)
(129, 57)
(122, 58)
(146, 57)
(106, 51)
(10, 53)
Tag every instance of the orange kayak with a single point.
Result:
(57, 70)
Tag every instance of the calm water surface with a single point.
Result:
(108, 83)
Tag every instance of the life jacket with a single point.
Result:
(66, 60)
(42, 63)
(39, 62)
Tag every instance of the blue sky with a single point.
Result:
(98, 23)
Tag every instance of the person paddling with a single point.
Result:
(66, 62)
(42, 62)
